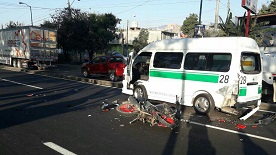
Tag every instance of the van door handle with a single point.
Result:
(252, 83)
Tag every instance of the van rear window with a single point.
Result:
(250, 63)
(168, 60)
(217, 62)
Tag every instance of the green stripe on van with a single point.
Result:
(242, 91)
(213, 78)
(260, 90)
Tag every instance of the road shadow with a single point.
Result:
(198, 139)
(26, 106)
(248, 144)
(174, 134)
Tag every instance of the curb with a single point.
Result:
(81, 79)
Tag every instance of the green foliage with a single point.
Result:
(11, 25)
(189, 24)
(271, 8)
(230, 29)
(48, 24)
(78, 31)
(212, 33)
(259, 31)
(141, 41)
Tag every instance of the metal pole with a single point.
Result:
(127, 38)
(30, 11)
(31, 15)
(69, 4)
(216, 16)
(200, 11)
(247, 23)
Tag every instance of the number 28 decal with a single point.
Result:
(242, 79)
(223, 78)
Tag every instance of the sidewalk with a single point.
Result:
(73, 72)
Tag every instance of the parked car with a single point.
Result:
(111, 66)
(115, 53)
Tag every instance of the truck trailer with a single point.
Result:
(28, 46)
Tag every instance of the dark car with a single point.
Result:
(111, 66)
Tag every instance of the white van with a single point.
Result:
(206, 73)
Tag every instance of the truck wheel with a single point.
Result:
(140, 92)
(14, 63)
(85, 73)
(204, 104)
(19, 64)
(112, 76)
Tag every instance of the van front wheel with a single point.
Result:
(204, 104)
(140, 92)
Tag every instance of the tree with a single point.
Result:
(71, 28)
(78, 31)
(189, 24)
(48, 24)
(260, 31)
(11, 25)
(141, 41)
(271, 8)
(230, 28)
(101, 30)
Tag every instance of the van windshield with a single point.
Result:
(250, 63)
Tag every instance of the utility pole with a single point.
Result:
(127, 38)
(200, 10)
(216, 16)
(228, 5)
(69, 8)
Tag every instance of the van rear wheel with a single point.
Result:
(140, 92)
(204, 104)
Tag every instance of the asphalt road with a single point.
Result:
(45, 115)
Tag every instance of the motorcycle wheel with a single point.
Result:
(165, 121)
(127, 109)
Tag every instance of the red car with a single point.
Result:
(111, 66)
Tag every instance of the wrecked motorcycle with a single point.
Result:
(161, 114)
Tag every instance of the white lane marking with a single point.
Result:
(267, 111)
(232, 131)
(58, 148)
(21, 83)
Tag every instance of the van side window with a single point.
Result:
(218, 62)
(168, 60)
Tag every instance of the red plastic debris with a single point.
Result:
(221, 120)
(105, 110)
(127, 108)
(240, 126)
(254, 126)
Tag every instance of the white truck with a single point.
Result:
(28, 46)
(269, 71)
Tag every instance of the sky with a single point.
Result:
(148, 13)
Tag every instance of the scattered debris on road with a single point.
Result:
(266, 119)
(240, 126)
(105, 106)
